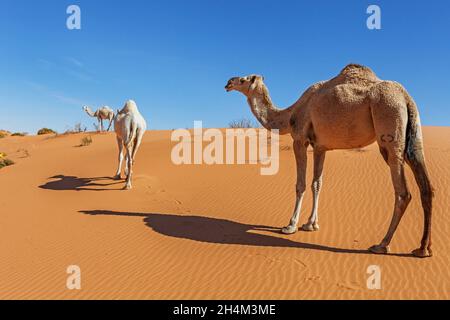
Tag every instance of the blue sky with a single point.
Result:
(174, 57)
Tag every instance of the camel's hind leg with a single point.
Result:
(129, 165)
(119, 169)
(137, 143)
(402, 199)
(390, 119)
(417, 164)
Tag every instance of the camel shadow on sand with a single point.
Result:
(220, 231)
(80, 184)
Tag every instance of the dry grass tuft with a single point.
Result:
(45, 131)
(86, 141)
(242, 123)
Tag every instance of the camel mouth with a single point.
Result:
(228, 87)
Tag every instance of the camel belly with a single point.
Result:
(340, 126)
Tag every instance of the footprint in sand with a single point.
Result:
(349, 286)
(313, 278)
(301, 263)
(150, 182)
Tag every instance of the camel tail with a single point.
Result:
(131, 134)
(414, 155)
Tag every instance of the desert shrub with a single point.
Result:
(77, 128)
(242, 123)
(45, 131)
(86, 141)
(19, 134)
(4, 162)
(4, 133)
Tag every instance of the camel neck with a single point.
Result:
(268, 114)
(90, 112)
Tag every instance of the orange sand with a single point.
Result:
(209, 232)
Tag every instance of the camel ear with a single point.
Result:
(252, 83)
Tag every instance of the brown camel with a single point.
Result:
(352, 110)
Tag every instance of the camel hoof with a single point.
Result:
(422, 253)
(289, 230)
(379, 249)
(127, 187)
(310, 227)
(117, 177)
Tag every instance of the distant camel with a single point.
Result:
(104, 113)
(349, 111)
(130, 127)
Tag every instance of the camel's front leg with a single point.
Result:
(109, 126)
(319, 159)
(301, 159)
(101, 125)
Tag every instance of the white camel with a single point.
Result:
(130, 127)
(104, 113)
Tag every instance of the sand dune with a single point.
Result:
(209, 232)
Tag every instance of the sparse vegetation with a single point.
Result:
(242, 123)
(19, 134)
(4, 133)
(77, 128)
(86, 141)
(4, 162)
(45, 131)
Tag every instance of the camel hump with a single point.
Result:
(354, 70)
(106, 109)
(130, 106)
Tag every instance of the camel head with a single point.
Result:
(87, 109)
(246, 85)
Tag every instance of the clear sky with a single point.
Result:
(174, 57)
